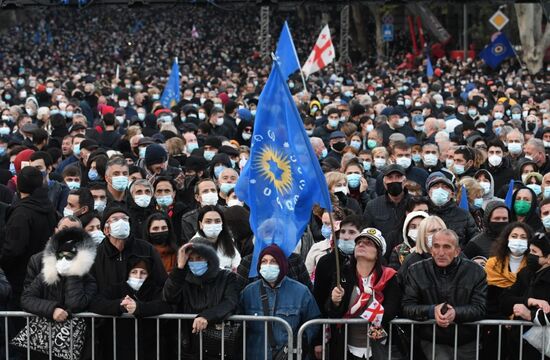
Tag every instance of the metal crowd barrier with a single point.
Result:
(244, 319)
(410, 323)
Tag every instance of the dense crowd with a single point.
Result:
(112, 204)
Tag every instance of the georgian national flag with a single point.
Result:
(374, 313)
(323, 53)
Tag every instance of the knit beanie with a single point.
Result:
(29, 179)
(155, 154)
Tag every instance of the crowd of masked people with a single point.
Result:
(114, 204)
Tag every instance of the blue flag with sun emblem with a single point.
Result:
(282, 179)
(497, 51)
(171, 94)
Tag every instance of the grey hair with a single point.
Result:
(448, 232)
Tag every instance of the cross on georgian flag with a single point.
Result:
(323, 53)
(374, 313)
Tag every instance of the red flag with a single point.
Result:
(323, 53)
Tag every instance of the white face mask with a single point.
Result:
(234, 202)
(210, 198)
(62, 266)
(413, 234)
(135, 283)
(142, 200)
(342, 189)
(517, 247)
(429, 241)
(120, 229)
(97, 236)
(212, 230)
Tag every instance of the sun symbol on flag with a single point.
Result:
(275, 167)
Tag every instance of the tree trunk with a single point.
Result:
(533, 42)
(375, 10)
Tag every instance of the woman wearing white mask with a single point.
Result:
(137, 296)
(423, 246)
(338, 185)
(58, 280)
(410, 236)
(91, 222)
(212, 226)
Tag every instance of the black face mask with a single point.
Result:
(159, 238)
(395, 188)
(339, 146)
(533, 263)
(496, 227)
(531, 126)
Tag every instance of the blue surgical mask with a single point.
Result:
(416, 158)
(165, 200)
(546, 222)
(536, 188)
(333, 123)
(371, 144)
(73, 185)
(459, 169)
(346, 246)
(270, 272)
(367, 165)
(324, 153)
(478, 203)
(472, 112)
(99, 206)
(191, 147)
(2, 151)
(93, 174)
(142, 151)
(354, 180)
(356, 144)
(440, 196)
(226, 187)
(209, 155)
(76, 149)
(546, 193)
(218, 170)
(198, 268)
(516, 116)
(514, 148)
(120, 183)
(326, 231)
(5, 130)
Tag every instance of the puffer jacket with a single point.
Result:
(45, 290)
(462, 285)
(456, 219)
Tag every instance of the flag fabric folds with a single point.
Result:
(282, 179)
(497, 51)
(286, 53)
(323, 53)
(429, 67)
(171, 94)
(464, 199)
(509, 195)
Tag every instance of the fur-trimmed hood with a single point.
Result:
(205, 248)
(82, 262)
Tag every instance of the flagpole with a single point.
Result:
(303, 80)
(336, 255)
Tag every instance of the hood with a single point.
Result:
(408, 219)
(487, 174)
(534, 204)
(81, 264)
(521, 164)
(205, 249)
(491, 206)
(38, 201)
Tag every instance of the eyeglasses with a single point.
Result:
(65, 254)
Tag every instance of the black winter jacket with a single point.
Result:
(385, 215)
(457, 219)
(30, 222)
(462, 285)
(45, 289)
(110, 265)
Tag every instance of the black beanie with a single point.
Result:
(29, 179)
(155, 154)
(110, 211)
(542, 241)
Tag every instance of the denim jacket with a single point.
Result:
(294, 304)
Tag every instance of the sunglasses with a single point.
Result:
(65, 254)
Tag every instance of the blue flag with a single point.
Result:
(282, 179)
(171, 94)
(497, 51)
(509, 195)
(36, 37)
(429, 67)
(464, 199)
(286, 53)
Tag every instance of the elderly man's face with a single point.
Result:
(444, 249)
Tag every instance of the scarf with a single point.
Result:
(368, 304)
(502, 278)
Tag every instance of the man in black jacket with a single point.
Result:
(30, 222)
(449, 290)
(119, 245)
